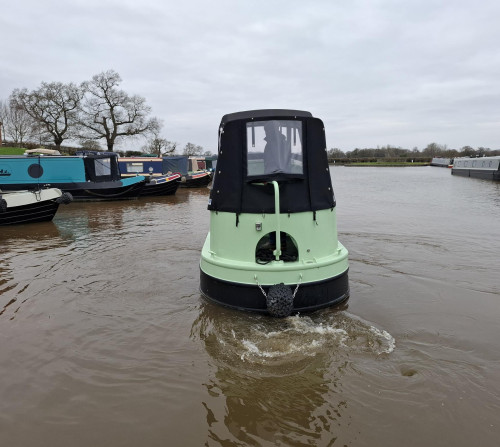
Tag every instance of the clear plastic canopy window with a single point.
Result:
(103, 166)
(274, 147)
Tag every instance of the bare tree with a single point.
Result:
(467, 151)
(109, 113)
(90, 145)
(3, 111)
(434, 149)
(192, 149)
(158, 145)
(18, 125)
(170, 148)
(53, 106)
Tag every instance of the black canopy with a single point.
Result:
(300, 165)
(100, 166)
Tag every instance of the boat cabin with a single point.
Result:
(132, 166)
(88, 175)
(257, 149)
(100, 166)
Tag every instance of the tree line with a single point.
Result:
(96, 110)
(430, 151)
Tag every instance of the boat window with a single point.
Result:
(466, 163)
(274, 146)
(135, 167)
(102, 166)
(473, 163)
(483, 164)
(489, 164)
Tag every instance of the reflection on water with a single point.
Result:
(82, 246)
(281, 379)
(30, 240)
(40, 234)
(86, 217)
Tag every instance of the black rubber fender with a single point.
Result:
(279, 301)
(3, 205)
(65, 198)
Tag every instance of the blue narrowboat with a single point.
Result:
(87, 176)
(157, 183)
(165, 166)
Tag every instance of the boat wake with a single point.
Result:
(292, 342)
(309, 336)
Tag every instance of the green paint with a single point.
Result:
(229, 250)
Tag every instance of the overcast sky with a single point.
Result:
(405, 73)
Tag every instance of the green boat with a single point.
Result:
(273, 246)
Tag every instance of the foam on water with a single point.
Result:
(277, 341)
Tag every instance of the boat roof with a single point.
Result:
(142, 159)
(264, 113)
(96, 154)
(491, 157)
(41, 150)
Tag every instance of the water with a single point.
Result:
(105, 340)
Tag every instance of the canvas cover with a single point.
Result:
(236, 190)
(211, 162)
(175, 164)
(100, 166)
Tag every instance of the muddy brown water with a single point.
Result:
(106, 341)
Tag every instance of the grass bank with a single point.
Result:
(12, 150)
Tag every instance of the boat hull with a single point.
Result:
(41, 209)
(90, 191)
(309, 297)
(195, 181)
(236, 273)
(107, 191)
(477, 173)
(160, 189)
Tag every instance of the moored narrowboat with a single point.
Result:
(164, 185)
(21, 207)
(87, 176)
(441, 162)
(191, 176)
(272, 245)
(211, 163)
(487, 168)
(174, 167)
(157, 183)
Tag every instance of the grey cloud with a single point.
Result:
(377, 72)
